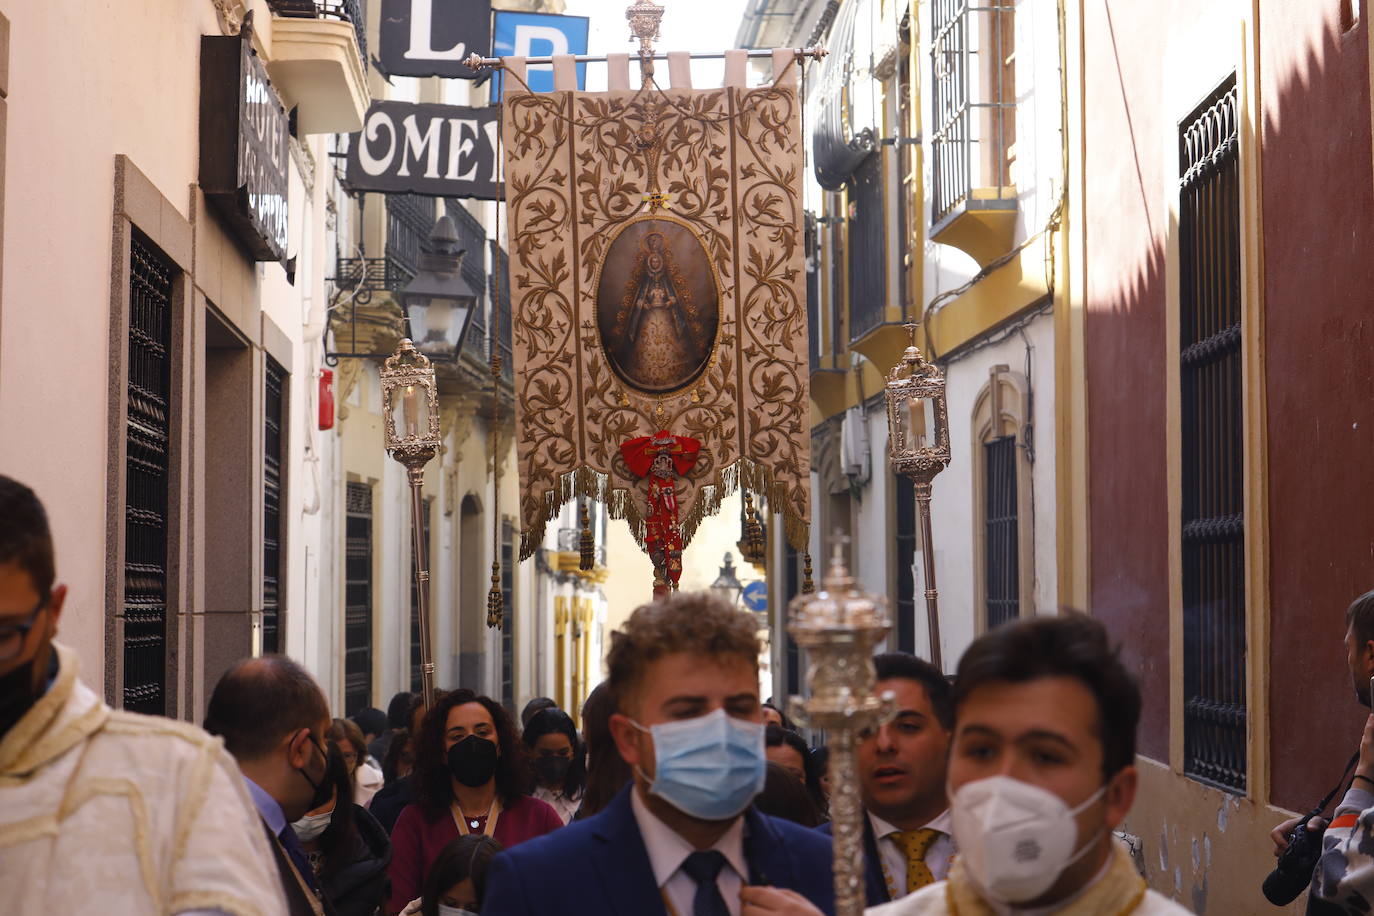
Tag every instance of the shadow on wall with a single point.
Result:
(1206, 848)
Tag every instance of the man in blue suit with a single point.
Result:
(681, 839)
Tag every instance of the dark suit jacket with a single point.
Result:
(600, 866)
(874, 885)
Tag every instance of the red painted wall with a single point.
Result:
(1318, 236)
(1124, 221)
(1319, 329)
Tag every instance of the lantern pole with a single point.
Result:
(923, 488)
(916, 388)
(416, 476)
(838, 626)
(408, 383)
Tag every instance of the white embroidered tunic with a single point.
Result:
(105, 811)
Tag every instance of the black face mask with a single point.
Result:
(20, 690)
(472, 761)
(323, 789)
(551, 770)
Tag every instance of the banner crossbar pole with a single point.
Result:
(477, 62)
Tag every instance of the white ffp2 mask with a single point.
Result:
(1015, 839)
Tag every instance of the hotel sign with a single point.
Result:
(243, 145)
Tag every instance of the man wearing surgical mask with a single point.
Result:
(1041, 772)
(681, 839)
(273, 719)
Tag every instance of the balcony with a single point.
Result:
(972, 149)
(319, 62)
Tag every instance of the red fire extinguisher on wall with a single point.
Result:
(326, 399)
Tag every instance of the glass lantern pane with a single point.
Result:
(921, 421)
(431, 320)
(414, 411)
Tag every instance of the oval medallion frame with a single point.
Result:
(657, 305)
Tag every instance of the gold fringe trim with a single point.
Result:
(621, 503)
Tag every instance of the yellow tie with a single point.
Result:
(916, 843)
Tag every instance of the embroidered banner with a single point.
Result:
(658, 285)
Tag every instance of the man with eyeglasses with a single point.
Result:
(273, 718)
(104, 811)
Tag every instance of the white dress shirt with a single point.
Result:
(668, 850)
(938, 856)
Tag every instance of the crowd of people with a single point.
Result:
(683, 792)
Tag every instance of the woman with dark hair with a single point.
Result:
(607, 773)
(468, 778)
(784, 796)
(789, 750)
(348, 850)
(457, 880)
(557, 760)
(365, 778)
(773, 715)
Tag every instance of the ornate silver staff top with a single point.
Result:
(838, 626)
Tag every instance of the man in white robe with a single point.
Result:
(1041, 771)
(104, 811)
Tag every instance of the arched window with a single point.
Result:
(1004, 537)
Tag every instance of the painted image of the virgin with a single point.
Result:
(657, 306)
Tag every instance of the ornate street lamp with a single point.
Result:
(727, 584)
(918, 447)
(438, 302)
(410, 404)
(838, 627)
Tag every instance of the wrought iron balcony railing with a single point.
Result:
(351, 11)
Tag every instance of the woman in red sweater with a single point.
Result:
(468, 779)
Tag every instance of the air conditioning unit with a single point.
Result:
(856, 457)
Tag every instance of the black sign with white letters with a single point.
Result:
(432, 37)
(243, 145)
(437, 150)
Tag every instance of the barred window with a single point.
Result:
(409, 220)
(147, 478)
(1001, 526)
(907, 543)
(973, 70)
(273, 453)
(358, 598)
(508, 619)
(867, 247)
(1213, 536)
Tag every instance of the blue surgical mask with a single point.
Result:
(710, 767)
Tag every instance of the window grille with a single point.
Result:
(791, 651)
(1001, 551)
(415, 607)
(837, 285)
(358, 599)
(813, 290)
(508, 619)
(907, 542)
(472, 238)
(147, 478)
(409, 220)
(973, 109)
(1213, 536)
(867, 248)
(503, 316)
(274, 413)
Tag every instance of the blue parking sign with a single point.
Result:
(538, 35)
